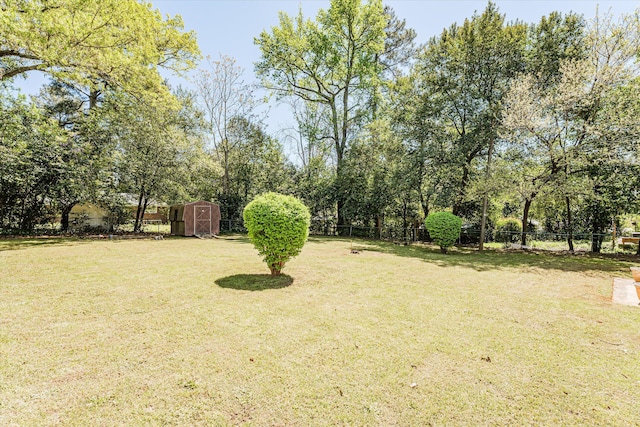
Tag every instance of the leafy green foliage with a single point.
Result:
(85, 150)
(278, 226)
(155, 145)
(543, 115)
(507, 229)
(31, 163)
(251, 162)
(553, 40)
(254, 165)
(459, 96)
(332, 62)
(121, 42)
(571, 132)
(444, 228)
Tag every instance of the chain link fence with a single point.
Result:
(232, 226)
(468, 236)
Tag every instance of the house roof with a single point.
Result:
(132, 200)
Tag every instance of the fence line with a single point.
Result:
(411, 234)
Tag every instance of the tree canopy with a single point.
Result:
(496, 121)
(119, 42)
(332, 62)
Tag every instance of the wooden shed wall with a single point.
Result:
(188, 219)
(202, 214)
(175, 217)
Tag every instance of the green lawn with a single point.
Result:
(193, 332)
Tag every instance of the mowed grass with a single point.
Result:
(194, 332)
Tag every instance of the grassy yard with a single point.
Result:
(193, 332)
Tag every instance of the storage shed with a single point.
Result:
(199, 218)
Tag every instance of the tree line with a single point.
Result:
(489, 119)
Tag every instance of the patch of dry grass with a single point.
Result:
(193, 332)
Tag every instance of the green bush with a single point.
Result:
(444, 228)
(508, 229)
(278, 226)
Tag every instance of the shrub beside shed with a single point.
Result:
(199, 218)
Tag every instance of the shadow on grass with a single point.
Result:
(493, 259)
(490, 259)
(235, 238)
(243, 238)
(254, 282)
(318, 238)
(14, 244)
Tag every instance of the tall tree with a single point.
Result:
(577, 121)
(416, 111)
(154, 148)
(31, 163)
(119, 42)
(257, 165)
(332, 62)
(225, 98)
(554, 41)
(399, 46)
(86, 155)
(199, 178)
(461, 78)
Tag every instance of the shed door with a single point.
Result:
(202, 215)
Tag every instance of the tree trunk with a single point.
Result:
(596, 243)
(342, 145)
(404, 221)
(379, 226)
(139, 212)
(225, 178)
(525, 218)
(64, 217)
(144, 209)
(613, 237)
(340, 202)
(341, 225)
(424, 202)
(599, 225)
(275, 272)
(525, 221)
(485, 201)
(569, 225)
(276, 268)
(483, 221)
(457, 205)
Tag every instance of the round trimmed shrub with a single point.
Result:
(278, 227)
(444, 228)
(508, 229)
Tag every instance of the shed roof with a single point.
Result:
(201, 202)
